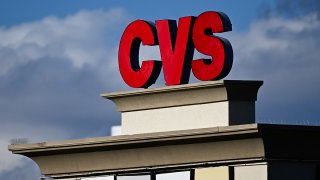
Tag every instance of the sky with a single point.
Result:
(57, 57)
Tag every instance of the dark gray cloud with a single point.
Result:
(297, 7)
(51, 92)
(289, 8)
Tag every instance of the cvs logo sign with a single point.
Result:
(177, 44)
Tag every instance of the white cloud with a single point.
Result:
(276, 35)
(81, 38)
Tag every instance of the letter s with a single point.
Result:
(218, 48)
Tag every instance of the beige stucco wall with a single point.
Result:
(251, 172)
(175, 118)
(216, 173)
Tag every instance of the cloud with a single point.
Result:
(14, 132)
(28, 170)
(289, 8)
(283, 53)
(81, 38)
(52, 72)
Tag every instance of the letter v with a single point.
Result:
(176, 49)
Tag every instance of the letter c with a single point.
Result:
(135, 76)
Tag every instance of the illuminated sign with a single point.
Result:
(177, 45)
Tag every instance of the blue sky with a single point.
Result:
(241, 12)
(56, 57)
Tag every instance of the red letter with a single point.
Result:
(176, 49)
(128, 57)
(218, 48)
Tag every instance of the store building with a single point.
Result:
(206, 129)
(198, 131)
